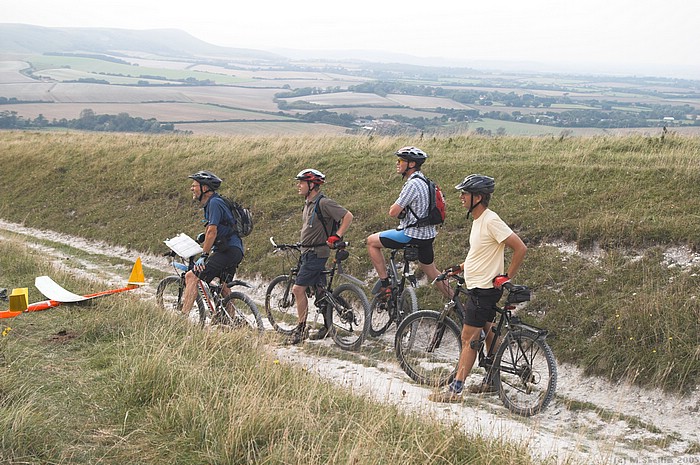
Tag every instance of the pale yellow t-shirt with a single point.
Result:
(486, 256)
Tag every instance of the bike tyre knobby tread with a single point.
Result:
(536, 353)
(408, 302)
(275, 309)
(348, 293)
(415, 334)
(168, 294)
(247, 308)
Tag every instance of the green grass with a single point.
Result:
(630, 196)
(119, 382)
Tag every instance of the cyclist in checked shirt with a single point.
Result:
(411, 205)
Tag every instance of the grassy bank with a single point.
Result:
(121, 382)
(625, 314)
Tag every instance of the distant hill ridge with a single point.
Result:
(25, 38)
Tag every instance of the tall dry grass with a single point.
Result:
(120, 382)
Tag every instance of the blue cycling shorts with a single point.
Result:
(397, 239)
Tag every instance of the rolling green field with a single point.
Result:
(38, 80)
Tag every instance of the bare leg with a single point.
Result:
(468, 355)
(302, 302)
(432, 272)
(374, 250)
(190, 292)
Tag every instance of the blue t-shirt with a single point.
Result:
(216, 212)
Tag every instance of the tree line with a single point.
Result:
(88, 121)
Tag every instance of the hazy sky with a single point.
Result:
(636, 35)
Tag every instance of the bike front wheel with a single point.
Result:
(169, 295)
(240, 310)
(280, 304)
(428, 346)
(408, 303)
(350, 316)
(381, 316)
(525, 373)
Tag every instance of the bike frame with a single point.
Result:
(505, 320)
(211, 294)
(399, 283)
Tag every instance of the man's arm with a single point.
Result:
(345, 222)
(209, 238)
(519, 248)
(395, 210)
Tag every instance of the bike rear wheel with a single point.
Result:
(240, 310)
(525, 373)
(280, 304)
(428, 347)
(350, 316)
(383, 313)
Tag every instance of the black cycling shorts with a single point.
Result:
(397, 239)
(481, 306)
(219, 262)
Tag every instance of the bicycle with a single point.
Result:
(346, 306)
(233, 310)
(403, 299)
(518, 361)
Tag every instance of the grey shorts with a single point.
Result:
(311, 270)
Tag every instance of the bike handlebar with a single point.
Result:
(299, 245)
(508, 286)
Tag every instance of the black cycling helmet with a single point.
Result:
(207, 178)
(412, 154)
(480, 185)
(311, 175)
(477, 184)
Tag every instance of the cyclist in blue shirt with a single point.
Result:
(222, 247)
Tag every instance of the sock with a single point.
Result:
(386, 282)
(457, 386)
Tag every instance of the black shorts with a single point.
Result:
(397, 239)
(219, 262)
(481, 306)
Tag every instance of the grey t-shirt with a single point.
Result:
(313, 232)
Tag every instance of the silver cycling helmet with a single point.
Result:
(412, 154)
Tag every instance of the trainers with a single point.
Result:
(299, 333)
(320, 334)
(482, 388)
(446, 396)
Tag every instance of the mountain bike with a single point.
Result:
(234, 310)
(403, 299)
(518, 361)
(345, 306)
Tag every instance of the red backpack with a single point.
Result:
(436, 208)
